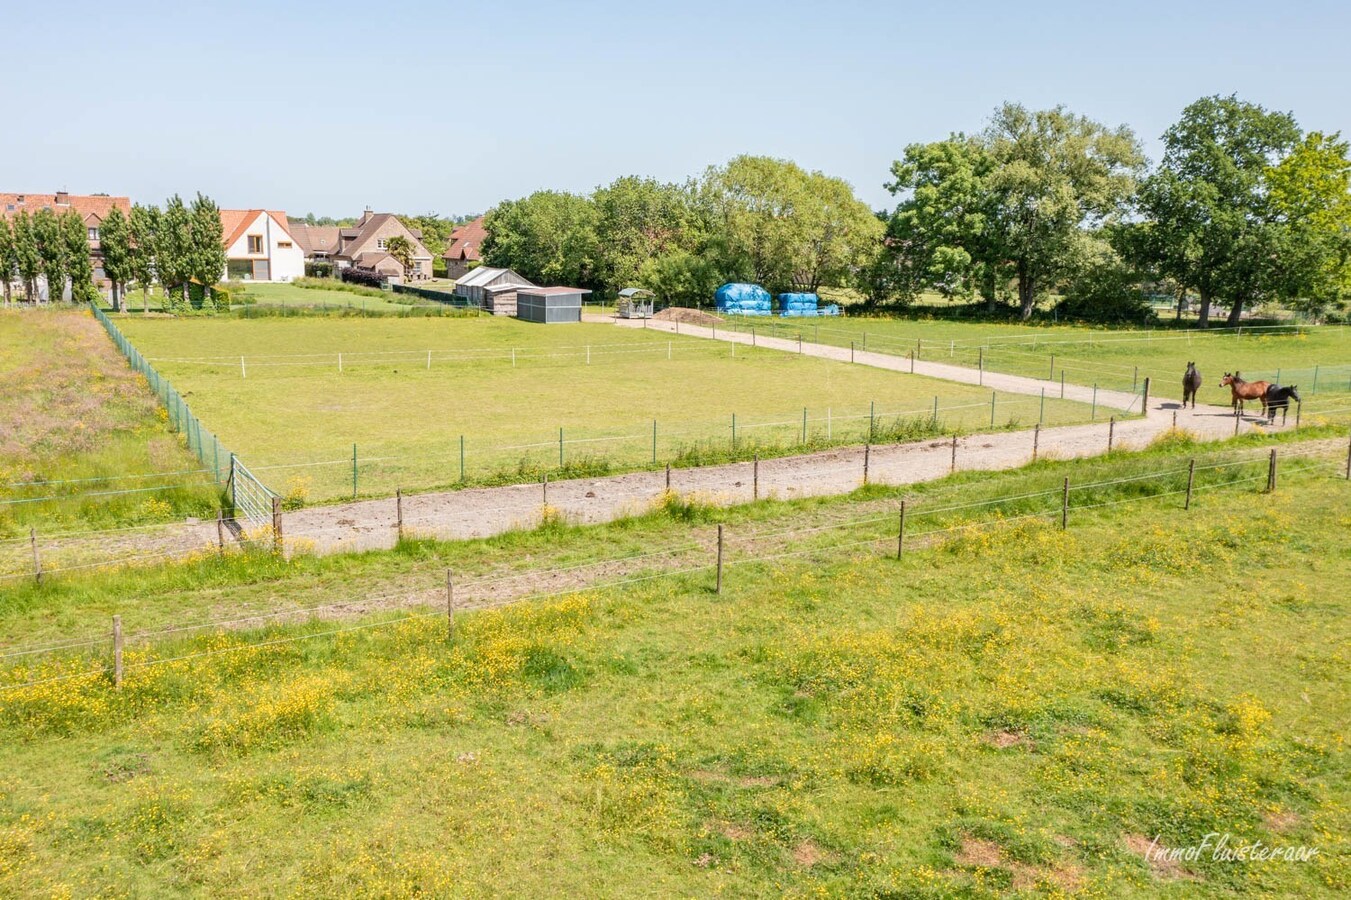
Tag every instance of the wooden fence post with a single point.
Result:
(900, 533)
(953, 467)
(450, 607)
(755, 477)
(1111, 432)
(1191, 479)
(867, 454)
(1238, 419)
(37, 560)
(277, 542)
(1036, 440)
(1144, 401)
(1271, 473)
(220, 530)
(1065, 505)
(545, 482)
(668, 476)
(718, 588)
(398, 511)
(117, 652)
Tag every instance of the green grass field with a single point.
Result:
(408, 390)
(1116, 359)
(80, 428)
(1011, 708)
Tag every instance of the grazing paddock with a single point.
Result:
(1114, 359)
(82, 441)
(1007, 707)
(292, 397)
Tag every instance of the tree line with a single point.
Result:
(181, 247)
(46, 245)
(1245, 208)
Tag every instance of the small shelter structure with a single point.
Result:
(550, 305)
(635, 303)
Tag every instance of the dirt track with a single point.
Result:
(483, 512)
(371, 524)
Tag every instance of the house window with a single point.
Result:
(93, 234)
(255, 243)
(382, 244)
(284, 245)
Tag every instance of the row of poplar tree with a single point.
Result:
(180, 247)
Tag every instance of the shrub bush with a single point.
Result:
(368, 277)
(319, 269)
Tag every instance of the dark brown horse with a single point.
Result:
(1278, 398)
(1245, 390)
(1191, 383)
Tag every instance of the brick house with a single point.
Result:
(366, 246)
(466, 248)
(93, 208)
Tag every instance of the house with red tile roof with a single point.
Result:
(259, 246)
(93, 209)
(466, 248)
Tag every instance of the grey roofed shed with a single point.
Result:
(472, 286)
(550, 305)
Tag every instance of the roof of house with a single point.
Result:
(234, 222)
(466, 241)
(316, 238)
(87, 205)
(361, 241)
(554, 291)
(484, 274)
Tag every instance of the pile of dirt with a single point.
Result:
(687, 315)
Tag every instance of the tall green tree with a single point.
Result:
(206, 243)
(115, 243)
(27, 256)
(943, 237)
(640, 219)
(79, 268)
(173, 252)
(786, 228)
(401, 249)
(51, 252)
(9, 258)
(1310, 192)
(548, 237)
(143, 224)
(1211, 224)
(1014, 202)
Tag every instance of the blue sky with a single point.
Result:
(449, 107)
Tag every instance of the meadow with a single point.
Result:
(297, 398)
(1118, 359)
(1007, 708)
(83, 442)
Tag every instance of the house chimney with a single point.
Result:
(365, 215)
(63, 198)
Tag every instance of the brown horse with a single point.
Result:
(1191, 383)
(1245, 390)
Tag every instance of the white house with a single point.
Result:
(259, 246)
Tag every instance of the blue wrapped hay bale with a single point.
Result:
(741, 299)
(798, 305)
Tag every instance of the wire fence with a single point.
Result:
(97, 660)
